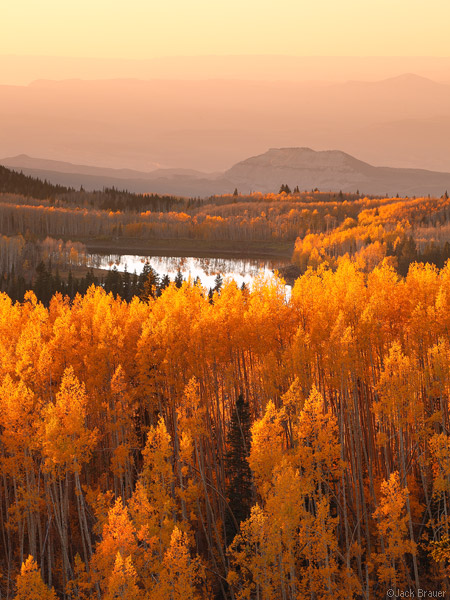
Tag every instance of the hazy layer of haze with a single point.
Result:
(209, 125)
(22, 70)
(203, 85)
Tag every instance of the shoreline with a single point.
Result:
(191, 248)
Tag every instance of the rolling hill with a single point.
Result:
(326, 170)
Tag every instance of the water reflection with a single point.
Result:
(206, 269)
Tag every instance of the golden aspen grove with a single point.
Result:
(249, 444)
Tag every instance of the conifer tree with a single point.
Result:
(179, 279)
(239, 487)
(148, 283)
(218, 282)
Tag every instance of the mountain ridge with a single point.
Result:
(327, 170)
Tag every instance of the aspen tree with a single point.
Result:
(180, 575)
(30, 585)
(122, 581)
(392, 523)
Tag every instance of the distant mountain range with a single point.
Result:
(20, 70)
(330, 170)
(209, 124)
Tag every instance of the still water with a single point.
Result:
(206, 269)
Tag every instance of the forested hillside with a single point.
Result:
(160, 441)
(14, 182)
(17, 183)
(400, 230)
(249, 447)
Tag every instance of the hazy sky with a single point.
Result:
(150, 28)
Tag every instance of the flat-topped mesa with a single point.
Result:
(301, 158)
(327, 170)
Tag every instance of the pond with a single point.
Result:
(206, 269)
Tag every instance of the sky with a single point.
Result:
(150, 28)
(59, 59)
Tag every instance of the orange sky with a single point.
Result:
(251, 40)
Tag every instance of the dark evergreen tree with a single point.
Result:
(43, 283)
(239, 477)
(179, 279)
(113, 281)
(218, 282)
(126, 285)
(143, 276)
(150, 284)
(165, 282)
(406, 253)
(91, 279)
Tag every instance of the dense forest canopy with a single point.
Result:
(160, 441)
(120, 450)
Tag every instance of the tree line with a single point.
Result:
(259, 218)
(15, 182)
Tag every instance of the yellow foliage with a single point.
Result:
(30, 586)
